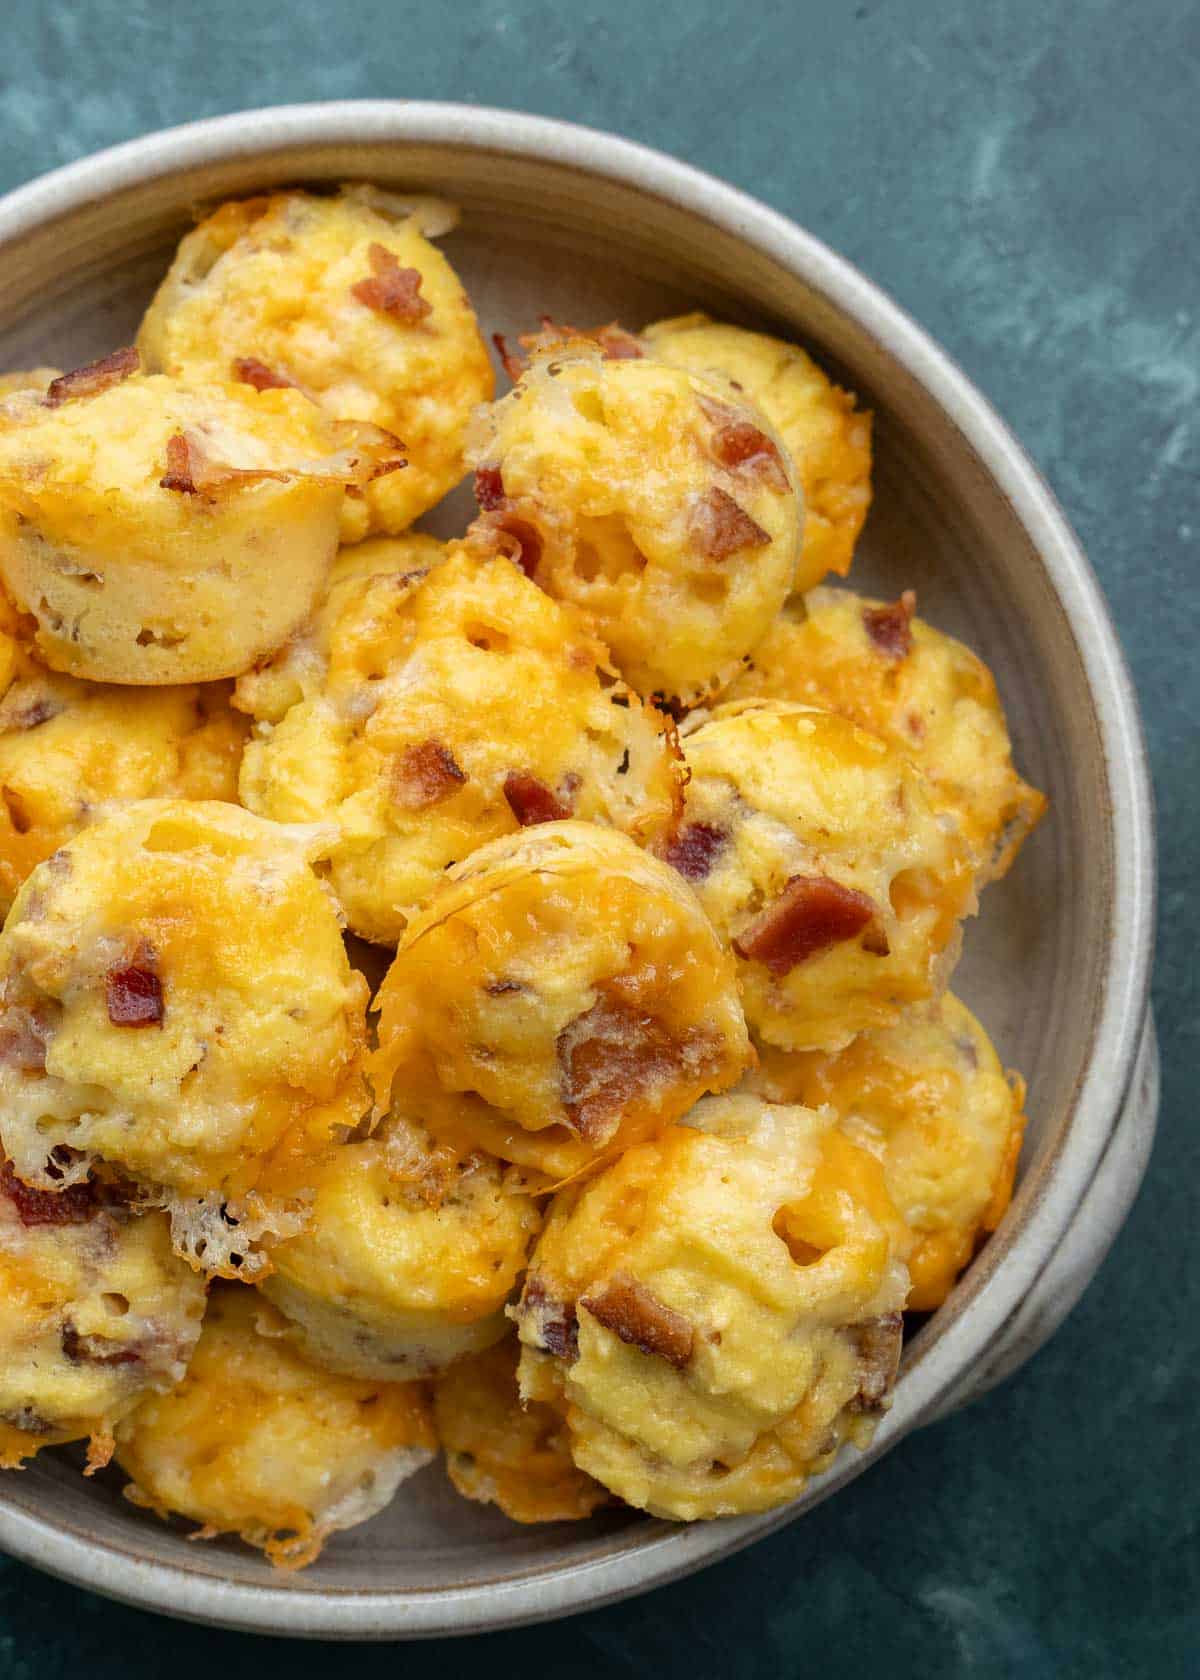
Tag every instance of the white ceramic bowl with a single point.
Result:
(590, 227)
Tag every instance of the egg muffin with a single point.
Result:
(877, 663)
(439, 706)
(67, 747)
(257, 1442)
(158, 532)
(175, 997)
(407, 1258)
(560, 996)
(826, 435)
(660, 503)
(501, 1452)
(816, 851)
(95, 1313)
(930, 1100)
(718, 1310)
(345, 297)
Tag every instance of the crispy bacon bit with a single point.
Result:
(555, 1323)
(512, 361)
(250, 371)
(94, 377)
(890, 627)
(811, 914)
(741, 446)
(178, 475)
(694, 849)
(489, 488)
(134, 994)
(93, 1350)
(878, 1342)
(607, 1059)
(23, 1038)
(640, 1319)
(425, 774)
(73, 1206)
(618, 345)
(531, 801)
(391, 289)
(512, 535)
(719, 527)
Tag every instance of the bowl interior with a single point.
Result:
(536, 237)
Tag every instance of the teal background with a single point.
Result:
(1023, 177)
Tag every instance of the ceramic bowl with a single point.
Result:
(589, 227)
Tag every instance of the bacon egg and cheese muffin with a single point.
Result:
(826, 435)
(560, 996)
(934, 699)
(930, 1100)
(159, 532)
(658, 502)
(408, 1256)
(437, 704)
(175, 997)
(95, 1313)
(345, 297)
(718, 1310)
(817, 853)
(502, 1452)
(257, 1442)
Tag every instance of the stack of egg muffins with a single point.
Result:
(661, 1115)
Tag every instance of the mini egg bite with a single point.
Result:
(718, 1310)
(257, 1442)
(827, 437)
(439, 701)
(344, 296)
(931, 697)
(562, 995)
(500, 1451)
(930, 1100)
(159, 532)
(408, 1256)
(658, 502)
(95, 1312)
(175, 997)
(817, 853)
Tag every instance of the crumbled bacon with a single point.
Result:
(890, 627)
(424, 774)
(742, 446)
(640, 1319)
(531, 801)
(608, 1058)
(178, 475)
(489, 488)
(811, 914)
(392, 289)
(511, 534)
(512, 361)
(93, 1350)
(718, 526)
(250, 371)
(134, 993)
(94, 377)
(73, 1206)
(877, 1342)
(694, 850)
(23, 1038)
(555, 1323)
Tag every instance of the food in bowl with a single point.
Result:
(667, 1116)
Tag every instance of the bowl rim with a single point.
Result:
(979, 1312)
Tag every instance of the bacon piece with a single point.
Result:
(616, 345)
(640, 1319)
(392, 289)
(134, 994)
(741, 446)
(890, 627)
(512, 362)
(93, 377)
(23, 1038)
(555, 1323)
(531, 801)
(250, 371)
(93, 1350)
(811, 914)
(878, 1342)
(489, 488)
(424, 775)
(607, 1059)
(512, 535)
(73, 1206)
(719, 527)
(694, 849)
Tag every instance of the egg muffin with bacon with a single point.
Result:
(345, 297)
(718, 1310)
(257, 1442)
(660, 503)
(560, 996)
(437, 704)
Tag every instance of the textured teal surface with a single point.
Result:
(1023, 177)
